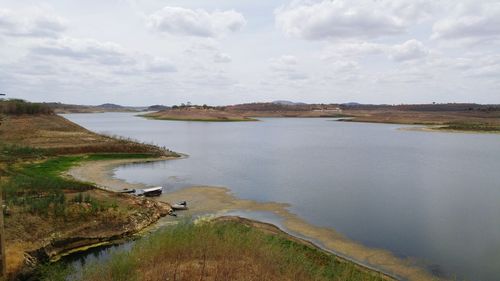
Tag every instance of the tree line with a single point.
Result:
(19, 107)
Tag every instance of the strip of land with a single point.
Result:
(197, 114)
(455, 121)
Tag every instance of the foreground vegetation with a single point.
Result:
(224, 250)
(42, 205)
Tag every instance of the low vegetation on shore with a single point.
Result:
(222, 250)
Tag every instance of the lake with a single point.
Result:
(429, 195)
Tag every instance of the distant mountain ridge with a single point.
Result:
(286, 102)
(106, 107)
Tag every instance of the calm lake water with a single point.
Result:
(433, 196)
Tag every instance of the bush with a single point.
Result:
(19, 107)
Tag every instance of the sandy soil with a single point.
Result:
(219, 201)
(101, 173)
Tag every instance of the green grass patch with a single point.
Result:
(34, 181)
(221, 251)
(113, 156)
(10, 153)
(471, 126)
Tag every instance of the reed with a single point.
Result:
(221, 251)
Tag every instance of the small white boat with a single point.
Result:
(127, 191)
(150, 192)
(180, 206)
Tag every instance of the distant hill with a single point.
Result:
(106, 107)
(351, 104)
(286, 102)
(157, 107)
(110, 106)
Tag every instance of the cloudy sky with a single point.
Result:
(232, 51)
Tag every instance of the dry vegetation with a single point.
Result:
(452, 120)
(64, 137)
(229, 249)
(197, 114)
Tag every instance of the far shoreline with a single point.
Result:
(420, 127)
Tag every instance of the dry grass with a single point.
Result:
(225, 250)
(64, 137)
(197, 114)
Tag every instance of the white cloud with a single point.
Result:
(85, 50)
(409, 50)
(343, 66)
(485, 67)
(339, 19)
(471, 22)
(283, 62)
(412, 75)
(160, 65)
(222, 58)
(352, 49)
(287, 66)
(199, 23)
(40, 24)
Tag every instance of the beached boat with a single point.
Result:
(180, 206)
(128, 191)
(150, 192)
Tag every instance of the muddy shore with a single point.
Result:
(219, 201)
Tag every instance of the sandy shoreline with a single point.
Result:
(219, 201)
(439, 129)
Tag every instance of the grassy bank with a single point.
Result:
(223, 250)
